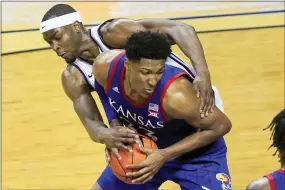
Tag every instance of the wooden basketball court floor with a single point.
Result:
(44, 145)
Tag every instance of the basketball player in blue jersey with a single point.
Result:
(275, 180)
(157, 98)
(63, 30)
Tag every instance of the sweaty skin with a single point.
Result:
(180, 94)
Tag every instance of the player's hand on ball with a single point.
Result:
(148, 168)
(203, 87)
(115, 138)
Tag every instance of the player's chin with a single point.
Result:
(69, 58)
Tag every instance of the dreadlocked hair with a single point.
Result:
(277, 126)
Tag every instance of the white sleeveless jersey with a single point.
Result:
(85, 69)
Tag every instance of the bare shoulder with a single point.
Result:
(106, 57)
(102, 64)
(72, 75)
(73, 82)
(180, 98)
(260, 184)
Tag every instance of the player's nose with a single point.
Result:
(55, 47)
(152, 81)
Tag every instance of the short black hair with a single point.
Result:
(147, 44)
(277, 126)
(58, 10)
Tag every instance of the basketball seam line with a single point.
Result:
(122, 168)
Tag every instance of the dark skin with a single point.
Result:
(116, 33)
(140, 80)
(73, 40)
(77, 90)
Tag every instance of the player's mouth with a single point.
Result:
(61, 54)
(149, 91)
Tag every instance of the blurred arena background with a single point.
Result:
(44, 145)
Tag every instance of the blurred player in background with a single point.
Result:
(276, 179)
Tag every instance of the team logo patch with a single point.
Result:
(225, 179)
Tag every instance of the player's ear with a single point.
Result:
(77, 27)
(127, 64)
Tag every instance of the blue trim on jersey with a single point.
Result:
(177, 60)
(85, 61)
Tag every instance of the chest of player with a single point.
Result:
(148, 115)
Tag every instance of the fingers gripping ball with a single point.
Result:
(128, 158)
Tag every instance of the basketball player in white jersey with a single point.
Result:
(62, 28)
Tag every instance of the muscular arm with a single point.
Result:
(179, 95)
(117, 32)
(84, 104)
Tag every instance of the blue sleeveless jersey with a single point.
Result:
(277, 179)
(149, 117)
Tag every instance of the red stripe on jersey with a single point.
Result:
(271, 182)
(113, 69)
(169, 82)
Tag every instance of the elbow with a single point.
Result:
(188, 27)
(226, 126)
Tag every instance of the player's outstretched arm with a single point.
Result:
(121, 134)
(184, 35)
(83, 102)
(260, 184)
(180, 102)
(87, 110)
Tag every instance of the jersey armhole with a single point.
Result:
(166, 86)
(271, 181)
(91, 88)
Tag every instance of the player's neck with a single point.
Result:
(88, 47)
(130, 92)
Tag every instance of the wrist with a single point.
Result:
(167, 154)
(101, 134)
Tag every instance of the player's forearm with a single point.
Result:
(196, 141)
(187, 40)
(89, 115)
(94, 129)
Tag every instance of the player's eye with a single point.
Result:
(160, 72)
(144, 72)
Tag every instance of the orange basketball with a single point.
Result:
(128, 158)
